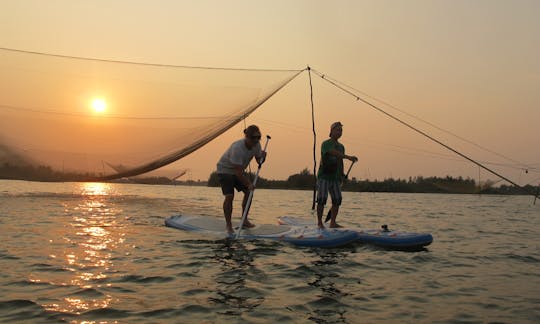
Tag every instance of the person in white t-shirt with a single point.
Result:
(230, 171)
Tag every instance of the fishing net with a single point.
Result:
(68, 118)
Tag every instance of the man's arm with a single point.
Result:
(340, 155)
(261, 158)
(239, 172)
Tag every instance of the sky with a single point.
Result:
(469, 67)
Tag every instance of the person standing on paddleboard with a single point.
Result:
(330, 174)
(230, 171)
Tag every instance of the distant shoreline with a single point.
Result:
(303, 180)
(432, 186)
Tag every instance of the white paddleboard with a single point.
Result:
(297, 235)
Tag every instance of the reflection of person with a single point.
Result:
(230, 171)
(330, 174)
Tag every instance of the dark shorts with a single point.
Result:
(229, 182)
(326, 186)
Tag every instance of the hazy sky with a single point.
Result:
(469, 67)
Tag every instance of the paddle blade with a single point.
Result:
(328, 216)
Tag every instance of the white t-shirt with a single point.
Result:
(237, 154)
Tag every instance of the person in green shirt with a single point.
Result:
(330, 174)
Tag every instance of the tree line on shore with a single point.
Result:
(304, 180)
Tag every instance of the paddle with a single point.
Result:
(250, 198)
(329, 215)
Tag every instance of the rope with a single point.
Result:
(314, 140)
(144, 63)
(51, 112)
(523, 167)
(322, 76)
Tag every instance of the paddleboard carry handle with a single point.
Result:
(250, 198)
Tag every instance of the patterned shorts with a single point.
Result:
(324, 187)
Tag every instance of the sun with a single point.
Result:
(99, 105)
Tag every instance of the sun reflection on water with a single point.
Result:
(94, 233)
(95, 189)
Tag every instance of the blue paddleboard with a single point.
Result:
(380, 237)
(297, 235)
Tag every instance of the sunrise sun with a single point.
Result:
(99, 105)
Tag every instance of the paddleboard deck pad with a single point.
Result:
(297, 235)
(381, 237)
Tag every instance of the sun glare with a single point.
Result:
(99, 105)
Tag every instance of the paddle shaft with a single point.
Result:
(329, 215)
(537, 192)
(250, 197)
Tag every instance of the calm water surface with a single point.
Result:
(89, 252)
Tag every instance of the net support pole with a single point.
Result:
(314, 141)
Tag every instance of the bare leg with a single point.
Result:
(334, 212)
(320, 209)
(227, 211)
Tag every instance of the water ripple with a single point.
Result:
(73, 257)
(143, 279)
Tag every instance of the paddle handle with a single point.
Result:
(250, 197)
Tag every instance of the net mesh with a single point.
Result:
(67, 118)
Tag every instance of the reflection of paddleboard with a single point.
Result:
(297, 235)
(383, 237)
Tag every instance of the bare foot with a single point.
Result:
(321, 226)
(248, 224)
(230, 230)
(335, 225)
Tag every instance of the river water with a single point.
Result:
(91, 252)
